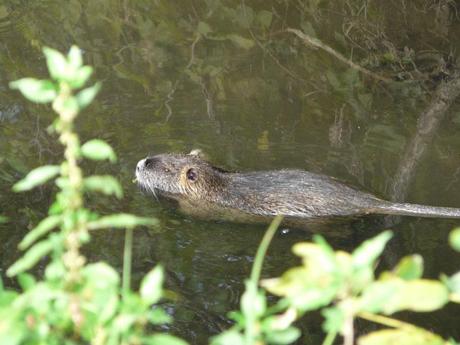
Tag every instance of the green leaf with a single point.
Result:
(453, 284)
(3, 219)
(163, 339)
(319, 255)
(395, 294)
(121, 220)
(104, 184)
(287, 336)
(36, 177)
(152, 285)
(45, 226)
(26, 281)
(454, 239)
(264, 17)
(74, 57)
(38, 91)
(231, 337)
(30, 258)
(86, 96)
(81, 76)
(368, 251)
(97, 149)
(253, 303)
(102, 283)
(203, 28)
(401, 336)
(67, 106)
(158, 316)
(334, 319)
(57, 64)
(240, 41)
(305, 288)
(410, 267)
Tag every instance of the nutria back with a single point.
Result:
(202, 189)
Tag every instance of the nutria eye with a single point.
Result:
(191, 174)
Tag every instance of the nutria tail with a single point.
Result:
(416, 210)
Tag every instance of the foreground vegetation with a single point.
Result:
(75, 302)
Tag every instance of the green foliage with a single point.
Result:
(344, 286)
(75, 303)
(454, 239)
(36, 177)
(97, 149)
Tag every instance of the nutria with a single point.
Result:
(204, 190)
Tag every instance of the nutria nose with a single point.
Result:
(140, 164)
(144, 163)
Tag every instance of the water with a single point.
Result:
(266, 104)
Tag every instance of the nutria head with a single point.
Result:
(179, 175)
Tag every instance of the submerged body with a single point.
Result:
(204, 190)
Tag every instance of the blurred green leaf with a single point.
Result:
(81, 77)
(86, 96)
(26, 281)
(3, 219)
(395, 294)
(253, 303)
(36, 177)
(305, 289)
(240, 41)
(121, 220)
(264, 17)
(45, 226)
(454, 239)
(38, 91)
(231, 337)
(163, 339)
(203, 28)
(67, 105)
(97, 149)
(334, 319)
(410, 267)
(453, 284)
(287, 336)
(74, 57)
(401, 336)
(368, 251)
(30, 258)
(104, 184)
(152, 285)
(158, 316)
(57, 64)
(102, 283)
(318, 255)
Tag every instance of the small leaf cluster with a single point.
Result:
(344, 286)
(75, 302)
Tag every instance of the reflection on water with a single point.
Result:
(225, 78)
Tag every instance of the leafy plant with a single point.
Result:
(344, 287)
(76, 302)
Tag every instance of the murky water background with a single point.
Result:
(223, 77)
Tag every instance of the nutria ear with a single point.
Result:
(192, 175)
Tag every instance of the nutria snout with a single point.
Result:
(201, 188)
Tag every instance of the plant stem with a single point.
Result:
(329, 340)
(127, 258)
(262, 250)
(73, 260)
(390, 322)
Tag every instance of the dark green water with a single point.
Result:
(251, 97)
